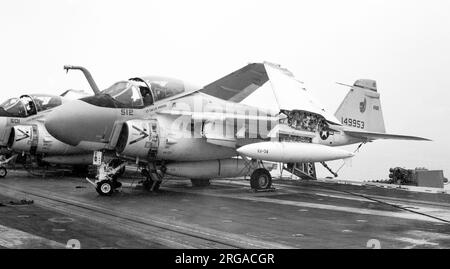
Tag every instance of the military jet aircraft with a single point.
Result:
(22, 131)
(174, 128)
(360, 115)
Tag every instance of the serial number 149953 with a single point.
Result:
(353, 122)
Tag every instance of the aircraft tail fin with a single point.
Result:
(361, 107)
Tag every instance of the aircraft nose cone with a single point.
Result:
(64, 122)
(78, 121)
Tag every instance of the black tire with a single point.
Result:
(260, 179)
(3, 172)
(105, 188)
(200, 182)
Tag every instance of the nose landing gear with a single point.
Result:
(106, 179)
(3, 161)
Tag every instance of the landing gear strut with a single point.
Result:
(106, 179)
(152, 180)
(261, 179)
(115, 163)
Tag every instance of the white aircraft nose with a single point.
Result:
(78, 121)
(63, 121)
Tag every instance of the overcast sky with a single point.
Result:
(404, 45)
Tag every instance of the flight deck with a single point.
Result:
(65, 211)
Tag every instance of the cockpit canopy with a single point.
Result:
(142, 92)
(126, 93)
(28, 105)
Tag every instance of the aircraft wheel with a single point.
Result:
(3, 171)
(105, 188)
(260, 179)
(200, 182)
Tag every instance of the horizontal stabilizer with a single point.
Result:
(374, 136)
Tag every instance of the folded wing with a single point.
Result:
(269, 86)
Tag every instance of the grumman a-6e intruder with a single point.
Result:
(167, 126)
(22, 131)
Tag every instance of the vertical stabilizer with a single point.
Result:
(361, 108)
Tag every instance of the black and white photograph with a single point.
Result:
(251, 125)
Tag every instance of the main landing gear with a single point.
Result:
(149, 183)
(153, 178)
(261, 180)
(106, 179)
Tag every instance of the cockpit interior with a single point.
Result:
(28, 105)
(138, 92)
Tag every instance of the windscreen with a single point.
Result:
(13, 107)
(163, 88)
(44, 102)
(125, 93)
